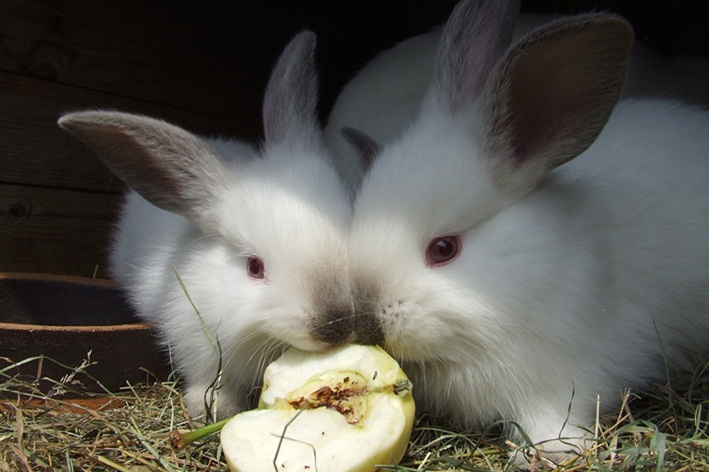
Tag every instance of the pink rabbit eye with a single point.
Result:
(442, 250)
(255, 268)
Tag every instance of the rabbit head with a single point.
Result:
(259, 238)
(435, 219)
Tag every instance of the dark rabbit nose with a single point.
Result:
(368, 329)
(367, 324)
(335, 325)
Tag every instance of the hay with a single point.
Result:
(664, 428)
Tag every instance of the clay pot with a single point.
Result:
(63, 318)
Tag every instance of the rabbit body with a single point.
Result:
(232, 253)
(555, 283)
(580, 289)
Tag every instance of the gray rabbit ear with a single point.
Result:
(290, 103)
(367, 148)
(476, 34)
(170, 167)
(552, 94)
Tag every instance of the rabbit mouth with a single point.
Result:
(323, 337)
(310, 344)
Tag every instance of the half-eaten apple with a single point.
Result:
(345, 410)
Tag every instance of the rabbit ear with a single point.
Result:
(170, 167)
(290, 103)
(473, 39)
(367, 148)
(552, 94)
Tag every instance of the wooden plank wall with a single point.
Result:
(57, 199)
(202, 65)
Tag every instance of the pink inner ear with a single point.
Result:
(480, 63)
(541, 105)
(556, 92)
(474, 38)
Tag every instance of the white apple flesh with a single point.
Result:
(345, 410)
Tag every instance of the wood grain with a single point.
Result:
(35, 151)
(139, 49)
(55, 231)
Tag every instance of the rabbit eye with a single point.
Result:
(442, 250)
(255, 268)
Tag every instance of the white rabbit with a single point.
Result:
(514, 288)
(382, 109)
(259, 238)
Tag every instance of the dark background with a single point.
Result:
(200, 64)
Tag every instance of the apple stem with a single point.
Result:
(403, 387)
(181, 439)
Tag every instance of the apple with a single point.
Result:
(344, 410)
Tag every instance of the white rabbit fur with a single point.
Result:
(382, 110)
(570, 282)
(227, 202)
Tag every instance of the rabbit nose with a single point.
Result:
(368, 329)
(336, 325)
(367, 324)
